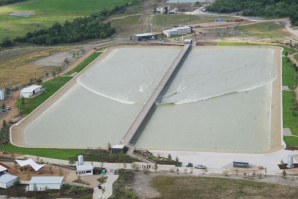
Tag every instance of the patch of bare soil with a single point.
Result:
(142, 186)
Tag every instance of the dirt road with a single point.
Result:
(14, 111)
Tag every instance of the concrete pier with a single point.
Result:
(150, 106)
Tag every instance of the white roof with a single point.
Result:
(177, 28)
(118, 146)
(5, 178)
(145, 35)
(2, 168)
(30, 162)
(30, 89)
(46, 180)
(84, 167)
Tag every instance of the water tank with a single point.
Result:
(290, 162)
(80, 160)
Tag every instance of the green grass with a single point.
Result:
(199, 187)
(50, 87)
(291, 141)
(63, 154)
(296, 57)
(289, 75)
(271, 30)
(46, 13)
(290, 115)
(84, 63)
(127, 25)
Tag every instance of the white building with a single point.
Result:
(7, 180)
(83, 169)
(30, 91)
(43, 183)
(182, 30)
(2, 94)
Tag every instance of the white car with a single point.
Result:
(199, 166)
(8, 108)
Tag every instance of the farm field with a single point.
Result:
(200, 187)
(36, 14)
(267, 30)
(17, 67)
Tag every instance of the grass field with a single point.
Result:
(16, 65)
(63, 154)
(268, 30)
(127, 26)
(46, 12)
(289, 75)
(200, 187)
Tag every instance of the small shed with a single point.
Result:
(118, 148)
(2, 93)
(30, 91)
(84, 170)
(145, 36)
(7, 180)
(43, 183)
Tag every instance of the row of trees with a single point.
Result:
(81, 28)
(267, 8)
(6, 2)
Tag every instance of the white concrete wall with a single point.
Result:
(7, 185)
(2, 94)
(26, 95)
(42, 187)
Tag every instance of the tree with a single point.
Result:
(169, 157)
(3, 107)
(23, 102)
(135, 166)
(6, 42)
(39, 81)
(4, 124)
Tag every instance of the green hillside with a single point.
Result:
(47, 12)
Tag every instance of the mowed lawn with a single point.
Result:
(203, 187)
(47, 12)
(63, 154)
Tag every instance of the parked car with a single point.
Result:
(8, 108)
(199, 166)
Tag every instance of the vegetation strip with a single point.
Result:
(171, 187)
(276, 8)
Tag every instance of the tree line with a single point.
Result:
(6, 2)
(81, 28)
(267, 8)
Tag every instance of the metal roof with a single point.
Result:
(118, 146)
(46, 180)
(30, 162)
(30, 89)
(2, 168)
(145, 35)
(6, 178)
(84, 167)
